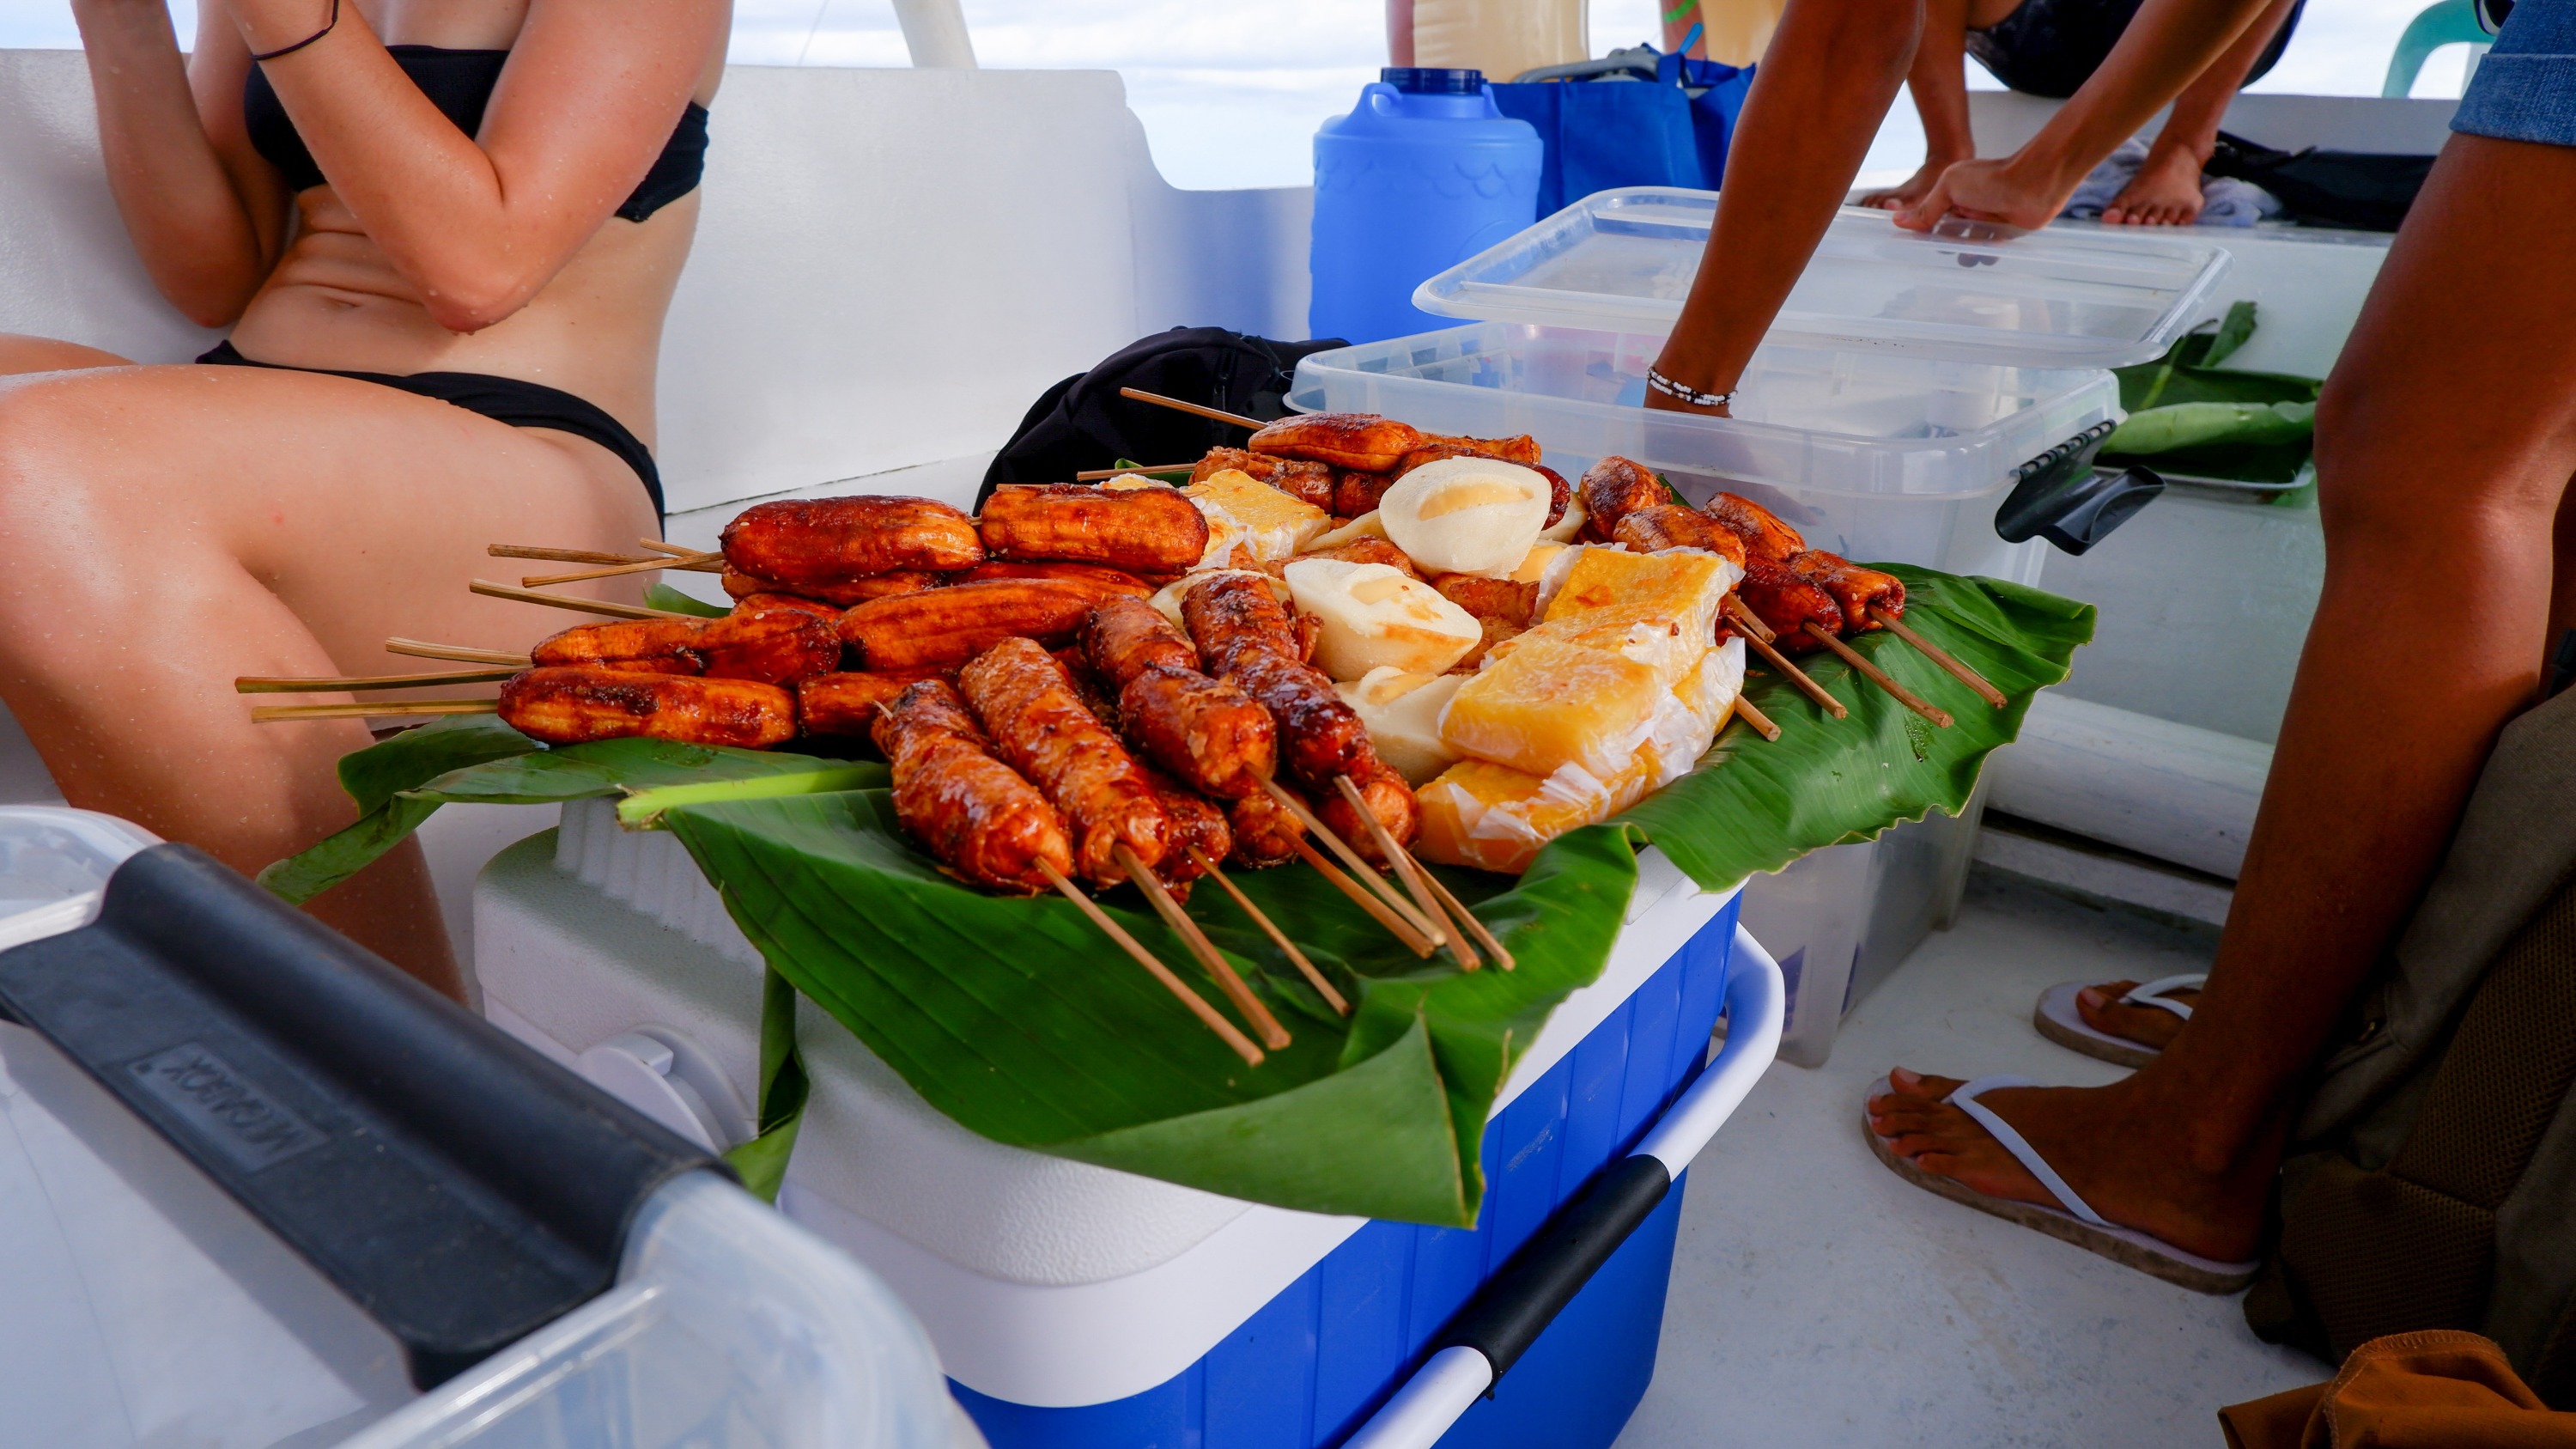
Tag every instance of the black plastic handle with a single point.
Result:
(461, 1189)
(1517, 1304)
(2060, 496)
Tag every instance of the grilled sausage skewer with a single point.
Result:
(1273, 1035)
(1940, 656)
(705, 563)
(262, 684)
(489, 589)
(1759, 635)
(1411, 874)
(1197, 1004)
(1871, 672)
(423, 649)
(283, 713)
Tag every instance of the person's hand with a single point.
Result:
(2011, 191)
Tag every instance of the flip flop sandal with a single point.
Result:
(2059, 1021)
(2077, 1223)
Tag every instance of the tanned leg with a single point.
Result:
(2439, 488)
(2166, 190)
(20, 353)
(1939, 83)
(171, 528)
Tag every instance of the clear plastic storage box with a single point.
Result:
(141, 1303)
(1909, 385)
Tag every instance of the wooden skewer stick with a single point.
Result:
(1273, 1035)
(1270, 928)
(1759, 635)
(1395, 855)
(666, 550)
(1877, 676)
(279, 713)
(1214, 1020)
(705, 563)
(1176, 405)
(557, 555)
(1424, 927)
(1934, 652)
(491, 590)
(259, 684)
(1467, 918)
(423, 649)
(1761, 722)
(1094, 475)
(1366, 900)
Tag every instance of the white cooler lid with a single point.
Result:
(1623, 260)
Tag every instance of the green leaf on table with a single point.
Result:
(453, 762)
(662, 596)
(1754, 805)
(2234, 331)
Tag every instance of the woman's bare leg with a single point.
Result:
(2166, 190)
(2439, 488)
(170, 528)
(21, 353)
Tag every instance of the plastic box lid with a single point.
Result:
(1623, 261)
(147, 1305)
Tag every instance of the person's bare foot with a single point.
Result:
(2130, 1158)
(2165, 192)
(2148, 1026)
(1912, 189)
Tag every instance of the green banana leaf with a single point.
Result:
(2249, 445)
(663, 596)
(1017, 1018)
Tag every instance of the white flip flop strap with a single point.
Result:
(1965, 1099)
(2152, 993)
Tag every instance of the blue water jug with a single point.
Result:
(1421, 175)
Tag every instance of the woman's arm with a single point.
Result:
(591, 93)
(1822, 89)
(206, 214)
(2167, 46)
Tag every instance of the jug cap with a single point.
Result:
(1432, 80)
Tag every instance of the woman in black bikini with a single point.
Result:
(444, 236)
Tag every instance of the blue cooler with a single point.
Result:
(1074, 1306)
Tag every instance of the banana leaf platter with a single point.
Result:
(1017, 1018)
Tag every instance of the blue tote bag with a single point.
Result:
(1672, 130)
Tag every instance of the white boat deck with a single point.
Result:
(1819, 1300)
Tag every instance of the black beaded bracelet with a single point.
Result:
(308, 40)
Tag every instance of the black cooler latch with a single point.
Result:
(2060, 496)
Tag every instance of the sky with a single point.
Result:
(1230, 91)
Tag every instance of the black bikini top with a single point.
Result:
(459, 83)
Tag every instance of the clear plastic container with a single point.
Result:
(140, 1304)
(1908, 386)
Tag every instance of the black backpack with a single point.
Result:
(2432, 1179)
(1082, 423)
(2362, 190)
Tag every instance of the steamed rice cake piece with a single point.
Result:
(1493, 817)
(1633, 631)
(1683, 585)
(1548, 703)
(1272, 524)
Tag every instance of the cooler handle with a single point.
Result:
(1489, 1335)
(2062, 497)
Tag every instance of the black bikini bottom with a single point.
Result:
(503, 400)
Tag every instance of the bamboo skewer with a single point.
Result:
(261, 684)
(1394, 900)
(1467, 918)
(1405, 869)
(422, 649)
(1366, 900)
(1759, 635)
(1270, 928)
(1094, 475)
(1877, 676)
(1176, 405)
(279, 713)
(1273, 1035)
(491, 590)
(1761, 722)
(1214, 1020)
(1934, 652)
(705, 563)
(667, 550)
(557, 555)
